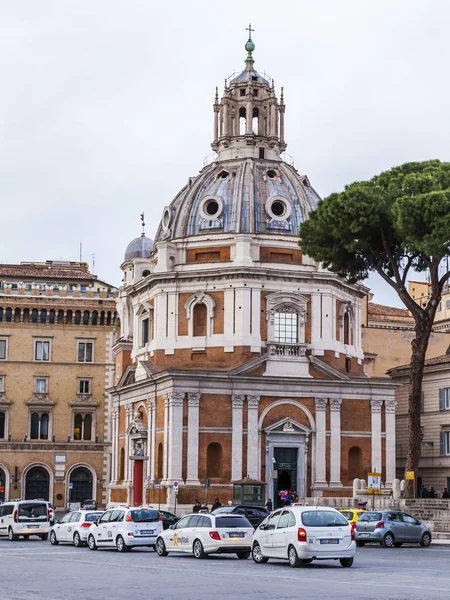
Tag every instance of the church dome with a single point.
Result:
(140, 247)
(240, 196)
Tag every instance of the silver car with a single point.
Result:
(391, 528)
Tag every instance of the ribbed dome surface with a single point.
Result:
(140, 247)
(242, 196)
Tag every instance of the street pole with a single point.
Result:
(159, 495)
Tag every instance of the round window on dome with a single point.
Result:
(278, 208)
(211, 208)
(271, 174)
(167, 218)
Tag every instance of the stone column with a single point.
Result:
(390, 440)
(335, 443)
(166, 436)
(321, 442)
(115, 443)
(175, 456)
(193, 438)
(252, 437)
(376, 435)
(128, 417)
(151, 437)
(236, 438)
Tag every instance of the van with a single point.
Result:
(24, 518)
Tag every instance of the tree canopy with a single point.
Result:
(397, 221)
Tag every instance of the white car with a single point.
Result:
(203, 534)
(123, 528)
(302, 534)
(74, 527)
(24, 518)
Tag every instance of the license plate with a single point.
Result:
(329, 541)
(33, 526)
(236, 534)
(147, 531)
(364, 535)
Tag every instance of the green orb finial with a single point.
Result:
(249, 46)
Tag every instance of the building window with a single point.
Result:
(286, 327)
(444, 399)
(445, 443)
(200, 320)
(39, 429)
(2, 385)
(145, 330)
(42, 350)
(85, 352)
(40, 385)
(2, 425)
(214, 459)
(2, 349)
(82, 427)
(84, 386)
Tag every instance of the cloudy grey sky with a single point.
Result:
(106, 105)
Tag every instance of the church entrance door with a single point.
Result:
(286, 467)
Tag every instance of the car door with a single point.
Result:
(279, 535)
(5, 511)
(174, 541)
(265, 533)
(72, 525)
(100, 530)
(61, 527)
(413, 528)
(397, 526)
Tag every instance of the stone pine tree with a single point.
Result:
(394, 224)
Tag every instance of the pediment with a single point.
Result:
(287, 426)
(128, 376)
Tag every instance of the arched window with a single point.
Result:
(44, 426)
(26, 315)
(17, 315)
(95, 318)
(2, 425)
(86, 317)
(286, 326)
(34, 432)
(255, 121)
(159, 474)
(242, 121)
(60, 317)
(355, 463)
(39, 426)
(346, 323)
(37, 484)
(346, 328)
(77, 426)
(122, 465)
(78, 317)
(8, 315)
(108, 319)
(81, 480)
(43, 317)
(87, 433)
(69, 317)
(51, 317)
(200, 317)
(1, 314)
(214, 459)
(102, 317)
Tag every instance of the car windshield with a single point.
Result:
(144, 516)
(323, 518)
(233, 522)
(347, 514)
(33, 511)
(370, 516)
(224, 509)
(91, 517)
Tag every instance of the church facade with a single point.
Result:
(239, 356)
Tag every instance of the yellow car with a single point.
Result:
(352, 514)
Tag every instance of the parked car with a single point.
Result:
(168, 519)
(352, 514)
(254, 513)
(391, 528)
(124, 528)
(89, 504)
(301, 534)
(74, 527)
(25, 518)
(213, 533)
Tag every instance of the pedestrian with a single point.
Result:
(269, 505)
(216, 504)
(423, 492)
(282, 496)
(287, 497)
(445, 493)
(230, 503)
(197, 506)
(204, 508)
(432, 492)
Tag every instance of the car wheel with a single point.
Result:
(426, 540)
(293, 558)
(198, 549)
(346, 562)
(53, 540)
(257, 555)
(44, 537)
(398, 544)
(161, 547)
(388, 541)
(91, 543)
(12, 537)
(360, 544)
(77, 540)
(120, 545)
(243, 555)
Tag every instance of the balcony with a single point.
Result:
(284, 350)
(287, 360)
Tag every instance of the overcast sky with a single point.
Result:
(106, 105)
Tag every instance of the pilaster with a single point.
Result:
(237, 403)
(389, 407)
(253, 470)
(175, 455)
(321, 442)
(375, 406)
(193, 438)
(335, 442)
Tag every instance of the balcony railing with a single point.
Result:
(283, 350)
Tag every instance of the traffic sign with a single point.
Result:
(175, 485)
(70, 486)
(207, 483)
(409, 475)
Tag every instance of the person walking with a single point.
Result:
(216, 504)
(269, 505)
(445, 493)
(197, 506)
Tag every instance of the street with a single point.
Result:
(36, 569)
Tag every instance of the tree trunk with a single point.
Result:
(419, 348)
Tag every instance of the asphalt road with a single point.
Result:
(37, 570)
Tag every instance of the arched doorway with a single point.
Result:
(81, 485)
(37, 484)
(2, 485)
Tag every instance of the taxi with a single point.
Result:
(74, 527)
(203, 534)
(352, 514)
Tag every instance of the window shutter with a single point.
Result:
(441, 399)
(442, 443)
